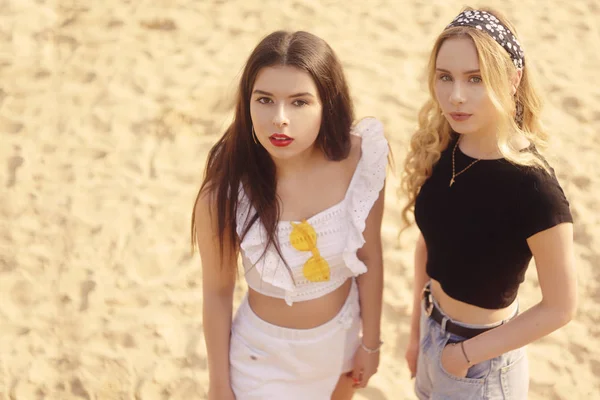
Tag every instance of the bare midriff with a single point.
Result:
(468, 313)
(301, 314)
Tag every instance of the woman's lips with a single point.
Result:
(280, 140)
(457, 116)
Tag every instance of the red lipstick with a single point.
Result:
(280, 140)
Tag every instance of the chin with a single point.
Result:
(279, 153)
(463, 129)
(282, 153)
(288, 153)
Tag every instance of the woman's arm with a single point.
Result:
(554, 258)
(218, 282)
(419, 280)
(370, 284)
(370, 289)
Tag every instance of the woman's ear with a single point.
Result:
(516, 80)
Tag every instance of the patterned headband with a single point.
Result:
(486, 22)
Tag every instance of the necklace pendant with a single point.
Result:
(451, 182)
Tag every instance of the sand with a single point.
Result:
(107, 111)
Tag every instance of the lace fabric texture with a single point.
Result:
(339, 232)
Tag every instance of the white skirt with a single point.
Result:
(271, 362)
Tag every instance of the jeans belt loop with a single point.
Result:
(428, 300)
(444, 321)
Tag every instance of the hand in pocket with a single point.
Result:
(454, 361)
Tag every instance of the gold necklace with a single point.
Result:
(455, 175)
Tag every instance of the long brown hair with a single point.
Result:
(236, 161)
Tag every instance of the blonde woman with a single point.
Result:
(485, 202)
(296, 188)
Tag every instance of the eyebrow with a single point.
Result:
(292, 96)
(472, 71)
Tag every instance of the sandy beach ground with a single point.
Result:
(107, 111)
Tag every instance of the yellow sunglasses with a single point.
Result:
(304, 238)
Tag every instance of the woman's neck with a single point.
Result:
(485, 147)
(479, 146)
(300, 164)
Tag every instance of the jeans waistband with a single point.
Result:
(434, 311)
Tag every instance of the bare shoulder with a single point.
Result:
(355, 148)
(367, 128)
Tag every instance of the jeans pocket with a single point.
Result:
(514, 375)
(450, 387)
(476, 373)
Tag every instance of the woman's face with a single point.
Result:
(286, 111)
(459, 88)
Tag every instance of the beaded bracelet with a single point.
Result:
(369, 350)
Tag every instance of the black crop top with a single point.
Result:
(476, 231)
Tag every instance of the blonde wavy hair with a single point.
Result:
(434, 132)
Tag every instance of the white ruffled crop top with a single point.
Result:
(320, 251)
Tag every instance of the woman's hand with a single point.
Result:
(454, 361)
(412, 354)
(365, 366)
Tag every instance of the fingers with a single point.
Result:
(360, 379)
(412, 365)
(357, 377)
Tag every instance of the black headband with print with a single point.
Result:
(486, 22)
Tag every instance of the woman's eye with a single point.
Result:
(300, 103)
(445, 78)
(264, 100)
(476, 79)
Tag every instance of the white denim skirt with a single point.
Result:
(272, 362)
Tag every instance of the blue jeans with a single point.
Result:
(505, 377)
